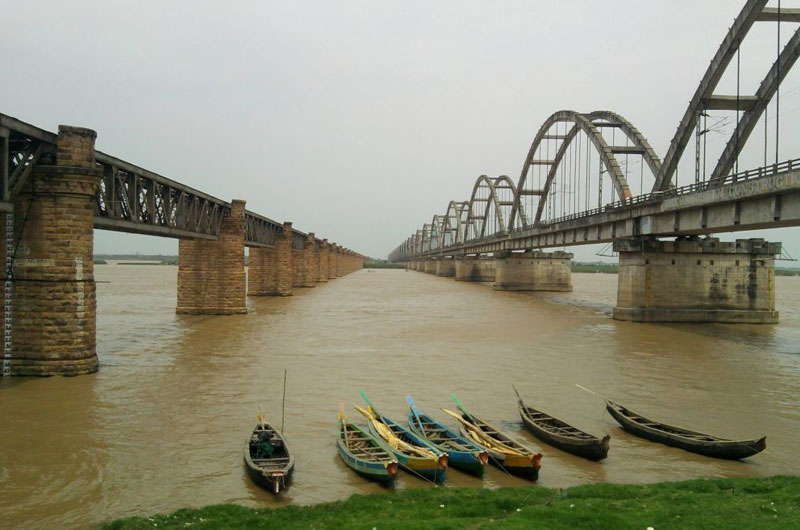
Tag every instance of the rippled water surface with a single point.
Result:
(162, 425)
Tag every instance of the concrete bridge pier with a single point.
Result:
(699, 280)
(430, 266)
(211, 275)
(474, 269)
(445, 267)
(51, 329)
(533, 271)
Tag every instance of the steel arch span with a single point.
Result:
(575, 155)
(559, 142)
(752, 106)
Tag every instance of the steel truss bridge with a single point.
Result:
(130, 198)
(593, 177)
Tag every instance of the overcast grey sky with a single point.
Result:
(360, 120)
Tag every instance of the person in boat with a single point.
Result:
(263, 444)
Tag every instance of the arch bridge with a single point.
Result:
(593, 177)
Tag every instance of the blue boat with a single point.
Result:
(364, 454)
(462, 453)
(414, 454)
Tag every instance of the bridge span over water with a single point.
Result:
(56, 189)
(593, 177)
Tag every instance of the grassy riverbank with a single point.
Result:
(759, 503)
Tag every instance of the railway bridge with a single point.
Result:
(57, 189)
(593, 177)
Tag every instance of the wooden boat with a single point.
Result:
(462, 454)
(364, 454)
(267, 459)
(504, 451)
(412, 452)
(696, 442)
(562, 435)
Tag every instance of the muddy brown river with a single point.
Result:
(162, 425)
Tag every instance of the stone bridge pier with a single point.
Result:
(50, 285)
(696, 280)
(533, 271)
(211, 274)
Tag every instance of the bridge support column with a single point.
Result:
(430, 266)
(332, 262)
(533, 271)
(340, 257)
(298, 267)
(696, 281)
(322, 263)
(211, 275)
(312, 260)
(446, 268)
(467, 269)
(285, 261)
(262, 274)
(54, 304)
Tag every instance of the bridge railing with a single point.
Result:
(133, 199)
(750, 174)
(130, 198)
(653, 197)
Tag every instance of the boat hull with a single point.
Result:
(467, 461)
(273, 474)
(375, 471)
(526, 465)
(428, 468)
(593, 449)
(714, 447)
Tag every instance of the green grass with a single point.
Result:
(754, 504)
(610, 268)
(382, 264)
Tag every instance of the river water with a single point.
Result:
(162, 424)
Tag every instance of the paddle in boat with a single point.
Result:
(267, 458)
(559, 434)
(462, 454)
(413, 453)
(696, 442)
(504, 451)
(363, 453)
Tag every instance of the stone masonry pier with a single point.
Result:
(50, 295)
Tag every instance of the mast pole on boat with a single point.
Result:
(283, 406)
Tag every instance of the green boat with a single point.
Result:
(364, 454)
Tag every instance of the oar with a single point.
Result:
(517, 393)
(343, 421)
(363, 395)
(461, 406)
(482, 437)
(415, 412)
(283, 407)
(594, 393)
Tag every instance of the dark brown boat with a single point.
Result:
(267, 459)
(696, 442)
(562, 435)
